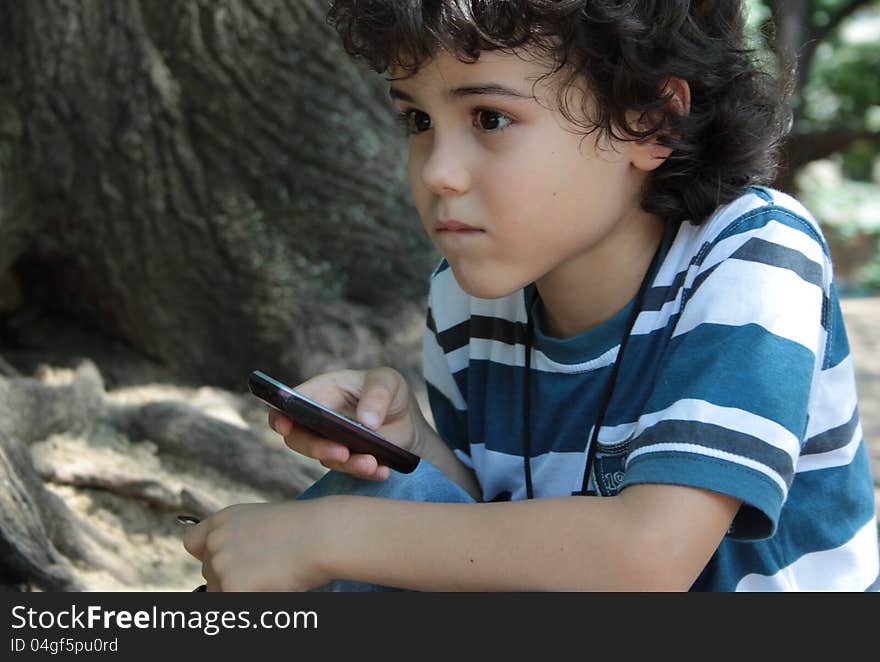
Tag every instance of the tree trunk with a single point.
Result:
(795, 44)
(212, 185)
(213, 182)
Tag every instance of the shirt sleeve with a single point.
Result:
(729, 408)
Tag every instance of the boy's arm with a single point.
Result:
(432, 448)
(649, 537)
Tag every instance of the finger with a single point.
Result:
(382, 387)
(280, 423)
(335, 390)
(194, 539)
(315, 446)
(212, 582)
(365, 466)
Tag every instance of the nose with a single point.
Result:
(445, 169)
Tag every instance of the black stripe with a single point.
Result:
(699, 281)
(826, 307)
(455, 337)
(432, 325)
(497, 328)
(714, 436)
(832, 439)
(659, 296)
(776, 255)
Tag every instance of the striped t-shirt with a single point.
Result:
(736, 378)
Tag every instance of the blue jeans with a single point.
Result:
(426, 483)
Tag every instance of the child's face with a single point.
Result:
(538, 196)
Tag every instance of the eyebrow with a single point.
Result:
(488, 89)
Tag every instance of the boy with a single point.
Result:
(635, 357)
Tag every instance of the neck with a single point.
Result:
(596, 284)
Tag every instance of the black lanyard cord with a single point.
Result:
(606, 395)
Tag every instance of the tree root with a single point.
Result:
(156, 457)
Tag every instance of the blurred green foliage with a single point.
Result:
(842, 97)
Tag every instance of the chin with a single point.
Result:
(483, 284)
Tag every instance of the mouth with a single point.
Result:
(453, 226)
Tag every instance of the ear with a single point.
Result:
(649, 154)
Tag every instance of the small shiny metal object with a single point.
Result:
(188, 519)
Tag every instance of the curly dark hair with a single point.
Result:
(624, 50)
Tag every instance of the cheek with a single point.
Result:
(421, 196)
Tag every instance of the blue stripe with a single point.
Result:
(450, 422)
(808, 523)
(837, 347)
(761, 494)
(441, 267)
(562, 411)
(776, 373)
(761, 192)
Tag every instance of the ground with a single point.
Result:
(862, 318)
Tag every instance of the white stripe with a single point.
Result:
(839, 457)
(711, 452)
(483, 349)
(542, 362)
(651, 320)
(779, 301)
(688, 244)
(850, 567)
(774, 232)
(436, 371)
(498, 472)
(449, 300)
(512, 307)
(553, 474)
(836, 389)
(558, 474)
(458, 359)
(616, 434)
(730, 212)
(785, 200)
(732, 418)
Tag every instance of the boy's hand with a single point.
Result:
(380, 399)
(260, 547)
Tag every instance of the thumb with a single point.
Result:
(194, 540)
(385, 392)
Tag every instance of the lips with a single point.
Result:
(454, 226)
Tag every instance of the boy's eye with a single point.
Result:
(491, 120)
(416, 121)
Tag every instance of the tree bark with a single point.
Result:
(212, 181)
(72, 434)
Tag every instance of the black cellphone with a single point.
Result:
(328, 423)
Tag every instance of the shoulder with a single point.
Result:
(764, 224)
(760, 262)
(764, 234)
